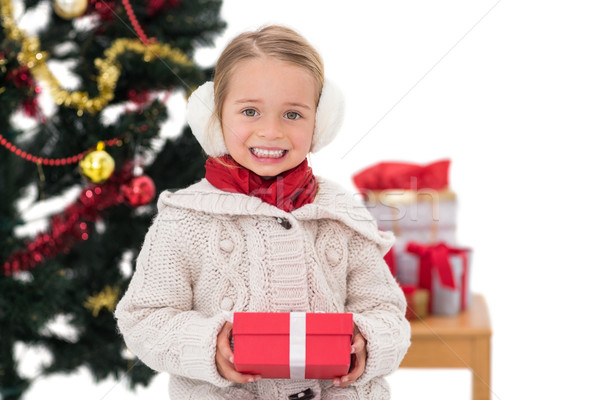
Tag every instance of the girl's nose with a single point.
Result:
(270, 128)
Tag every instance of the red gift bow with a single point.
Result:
(398, 175)
(437, 257)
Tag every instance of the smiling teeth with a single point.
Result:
(267, 153)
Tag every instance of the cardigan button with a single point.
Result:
(333, 256)
(307, 394)
(226, 304)
(284, 222)
(226, 245)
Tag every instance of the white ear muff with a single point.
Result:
(200, 108)
(330, 116)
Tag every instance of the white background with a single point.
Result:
(510, 92)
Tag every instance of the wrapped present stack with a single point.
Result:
(416, 203)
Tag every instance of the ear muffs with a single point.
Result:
(207, 130)
(200, 108)
(330, 116)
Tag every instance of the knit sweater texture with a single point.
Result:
(209, 253)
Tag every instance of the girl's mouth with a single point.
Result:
(265, 153)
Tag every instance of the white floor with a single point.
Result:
(413, 384)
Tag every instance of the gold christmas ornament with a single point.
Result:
(69, 9)
(107, 298)
(97, 165)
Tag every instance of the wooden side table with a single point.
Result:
(461, 341)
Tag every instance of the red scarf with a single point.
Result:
(287, 191)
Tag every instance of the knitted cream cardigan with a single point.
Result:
(210, 252)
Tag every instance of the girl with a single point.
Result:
(261, 233)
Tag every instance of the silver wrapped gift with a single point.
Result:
(424, 215)
(451, 301)
(447, 273)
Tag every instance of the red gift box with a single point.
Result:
(292, 345)
(448, 290)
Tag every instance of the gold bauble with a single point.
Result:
(69, 9)
(97, 165)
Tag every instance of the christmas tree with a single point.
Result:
(98, 150)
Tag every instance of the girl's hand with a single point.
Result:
(358, 361)
(224, 358)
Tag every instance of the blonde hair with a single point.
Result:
(275, 41)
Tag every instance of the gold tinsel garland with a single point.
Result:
(108, 67)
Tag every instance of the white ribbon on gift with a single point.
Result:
(297, 345)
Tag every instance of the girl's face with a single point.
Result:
(268, 115)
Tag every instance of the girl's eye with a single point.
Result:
(292, 115)
(250, 113)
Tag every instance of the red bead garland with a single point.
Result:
(52, 161)
(134, 22)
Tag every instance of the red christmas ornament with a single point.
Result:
(20, 77)
(31, 108)
(155, 6)
(138, 191)
(138, 97)
(105, 10)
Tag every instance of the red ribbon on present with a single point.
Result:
(436, 257)
(405, 176)
(390, 259)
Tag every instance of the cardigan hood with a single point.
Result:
(332, 202)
